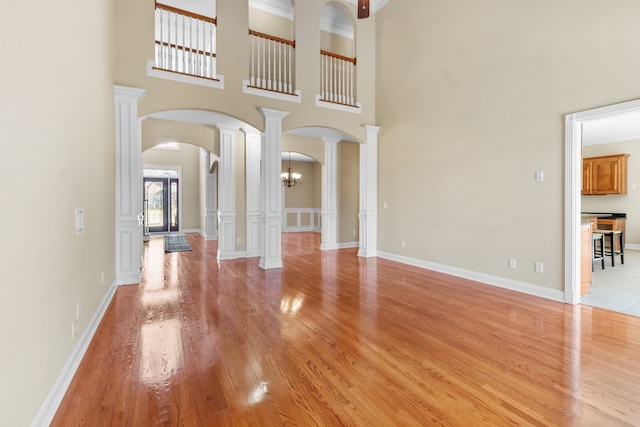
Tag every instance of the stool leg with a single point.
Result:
(621, 248)
(602, 251)
(613, 250)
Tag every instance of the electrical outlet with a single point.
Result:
(539, 267)
(355, 233)
(74, 330)
(239, 240)
(512, 263)
(402, 245)
(78, 310)
(102, 278)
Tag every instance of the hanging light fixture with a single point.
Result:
(290, 179)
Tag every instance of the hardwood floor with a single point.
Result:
(333, 339)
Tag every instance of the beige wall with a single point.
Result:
(270, 24)
(189, 161)
(303, 195)
(628, 203)
(57, 155)
(336, 44)
(471, 98)
(348, 191)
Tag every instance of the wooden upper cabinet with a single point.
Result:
(604, 175)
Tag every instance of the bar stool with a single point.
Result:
(613, 252)
(597, 251)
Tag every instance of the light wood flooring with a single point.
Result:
(333, 339)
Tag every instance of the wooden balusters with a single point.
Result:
(271, 63)
(185, 42)
(337, 78)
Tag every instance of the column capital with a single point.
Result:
(250, 130)
(331, 140)
(269, 113)
(227, 128)
(129, 92)
(371, 129)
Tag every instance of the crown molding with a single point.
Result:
(280, 8)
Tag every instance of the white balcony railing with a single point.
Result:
(337, 78)
(185, 42)
(272, 61)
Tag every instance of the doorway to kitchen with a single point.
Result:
(575, 126)
(161, 200)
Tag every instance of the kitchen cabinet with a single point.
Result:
(604, 175)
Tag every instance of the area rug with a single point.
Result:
(176, 243)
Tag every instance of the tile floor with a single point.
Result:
(617, 288)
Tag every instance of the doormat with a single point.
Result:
(176, 243)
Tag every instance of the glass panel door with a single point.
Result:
(173, 194)
(156, 194)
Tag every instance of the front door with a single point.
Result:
(161, 195)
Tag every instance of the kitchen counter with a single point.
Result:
(607, 215)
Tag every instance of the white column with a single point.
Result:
(271, 191)
(252, 168)
(369, 193)
(210, 194)
(330, 195)
(227, 193)
(129, 221)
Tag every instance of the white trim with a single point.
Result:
(297, 98)
(184, 78)
(275, 7)
(487, 279)
(632, 246)
(232, 255)
(573, 180)
(340, 107)
(49, 407)
(348, 245)
(329, 26)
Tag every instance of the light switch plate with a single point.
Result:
(79, 221)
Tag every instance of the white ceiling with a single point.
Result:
(625, 127)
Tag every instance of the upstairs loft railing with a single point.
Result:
(272, 63)
(337, 78)
(185, 42)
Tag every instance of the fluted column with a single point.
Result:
(252, 168)
(369, 193)
(227, 193)
(330, 195)
(129, 219)
(271, 191)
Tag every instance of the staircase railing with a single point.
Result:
(337, 78)
(272, 62)
(185, 42)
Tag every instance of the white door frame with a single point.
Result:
(573, 184)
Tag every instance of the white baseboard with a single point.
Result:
(348, 245)
(514, 285)
(49, 407)
(632, 246)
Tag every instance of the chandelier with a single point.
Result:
(290, 179)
